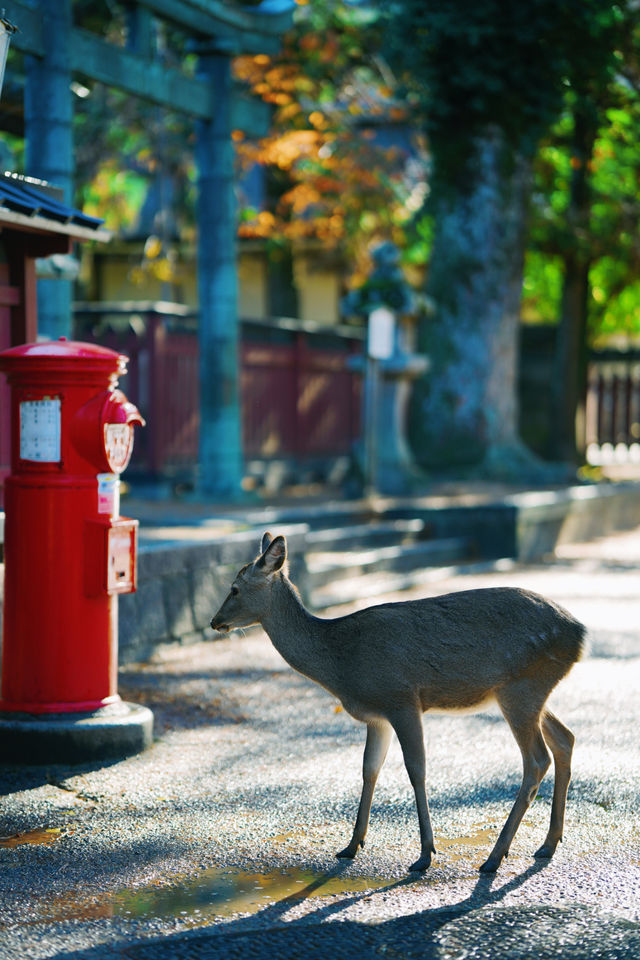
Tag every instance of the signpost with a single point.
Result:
(380, 346)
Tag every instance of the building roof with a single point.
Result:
(34, 205)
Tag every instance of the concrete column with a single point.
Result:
(220, 458)
(48, 111)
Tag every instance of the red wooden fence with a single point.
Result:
(300, 400)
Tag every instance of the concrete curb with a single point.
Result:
(529, 526)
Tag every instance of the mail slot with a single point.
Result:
(110, 550)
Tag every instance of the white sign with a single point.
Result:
(40, 430)
(109, 494)
(381, 333)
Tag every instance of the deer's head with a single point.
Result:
(250, 595)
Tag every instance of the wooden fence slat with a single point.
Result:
(613, 409)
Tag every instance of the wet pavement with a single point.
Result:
(219, 841)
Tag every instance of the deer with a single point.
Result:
(390, 663)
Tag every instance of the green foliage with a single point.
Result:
(419, 240)
(615, 217)
(604, 233)
(115, 195)
(541, 288)
(497, 63)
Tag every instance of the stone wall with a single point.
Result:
(181, 585)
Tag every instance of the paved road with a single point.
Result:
(219, 841)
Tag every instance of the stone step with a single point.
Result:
(353, 534)
(325, 567)
(369, 586)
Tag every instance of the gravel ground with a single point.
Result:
(220, 840)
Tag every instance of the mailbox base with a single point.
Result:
(111, 733)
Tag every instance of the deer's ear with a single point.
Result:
(274, 557)
(266, 540)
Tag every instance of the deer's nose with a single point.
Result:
(217, 624)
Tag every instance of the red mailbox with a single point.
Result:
(68, 553)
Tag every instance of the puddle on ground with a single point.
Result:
(41, 836)
(459, 848)
(222, 892)
(216, 893)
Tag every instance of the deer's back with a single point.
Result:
(455, 650)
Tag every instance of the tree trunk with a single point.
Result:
(465, 411)
(570, 368)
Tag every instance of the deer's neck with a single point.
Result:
(297, 635)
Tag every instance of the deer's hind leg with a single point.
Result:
(560, 741)
(375, 751)
(523, 716)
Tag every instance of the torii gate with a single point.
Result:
(56, 50)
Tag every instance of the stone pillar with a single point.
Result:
(220, 457)
(386, 460)
(396, 471)
(48, 108)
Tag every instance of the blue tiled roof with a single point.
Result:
(22, 197)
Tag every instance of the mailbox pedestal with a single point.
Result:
(68, 554)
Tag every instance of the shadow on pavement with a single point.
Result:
(479, 927)
(16, 778)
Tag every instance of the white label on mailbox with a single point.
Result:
(40, 430)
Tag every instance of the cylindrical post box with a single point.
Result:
(67, 552)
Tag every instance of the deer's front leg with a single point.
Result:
(408, 727)
(375, 751)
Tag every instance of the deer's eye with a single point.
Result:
(234, 591)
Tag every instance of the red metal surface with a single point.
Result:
(83, 359)
(59, 651)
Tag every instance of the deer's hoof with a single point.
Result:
(490, 865)
(421, 864)
(545, 852)
(349, 852)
